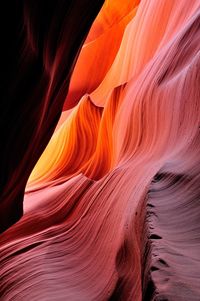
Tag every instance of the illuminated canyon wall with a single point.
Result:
(100, 154)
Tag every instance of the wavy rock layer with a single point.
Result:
(174, 233)
(111, 208)
(40, 47)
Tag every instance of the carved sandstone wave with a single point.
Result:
(111, 208)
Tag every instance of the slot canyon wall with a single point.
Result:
(100, 153)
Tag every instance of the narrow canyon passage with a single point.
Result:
(100, 161)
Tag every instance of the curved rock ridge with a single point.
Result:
(40, 44)
(111, 208)
(174, 235)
